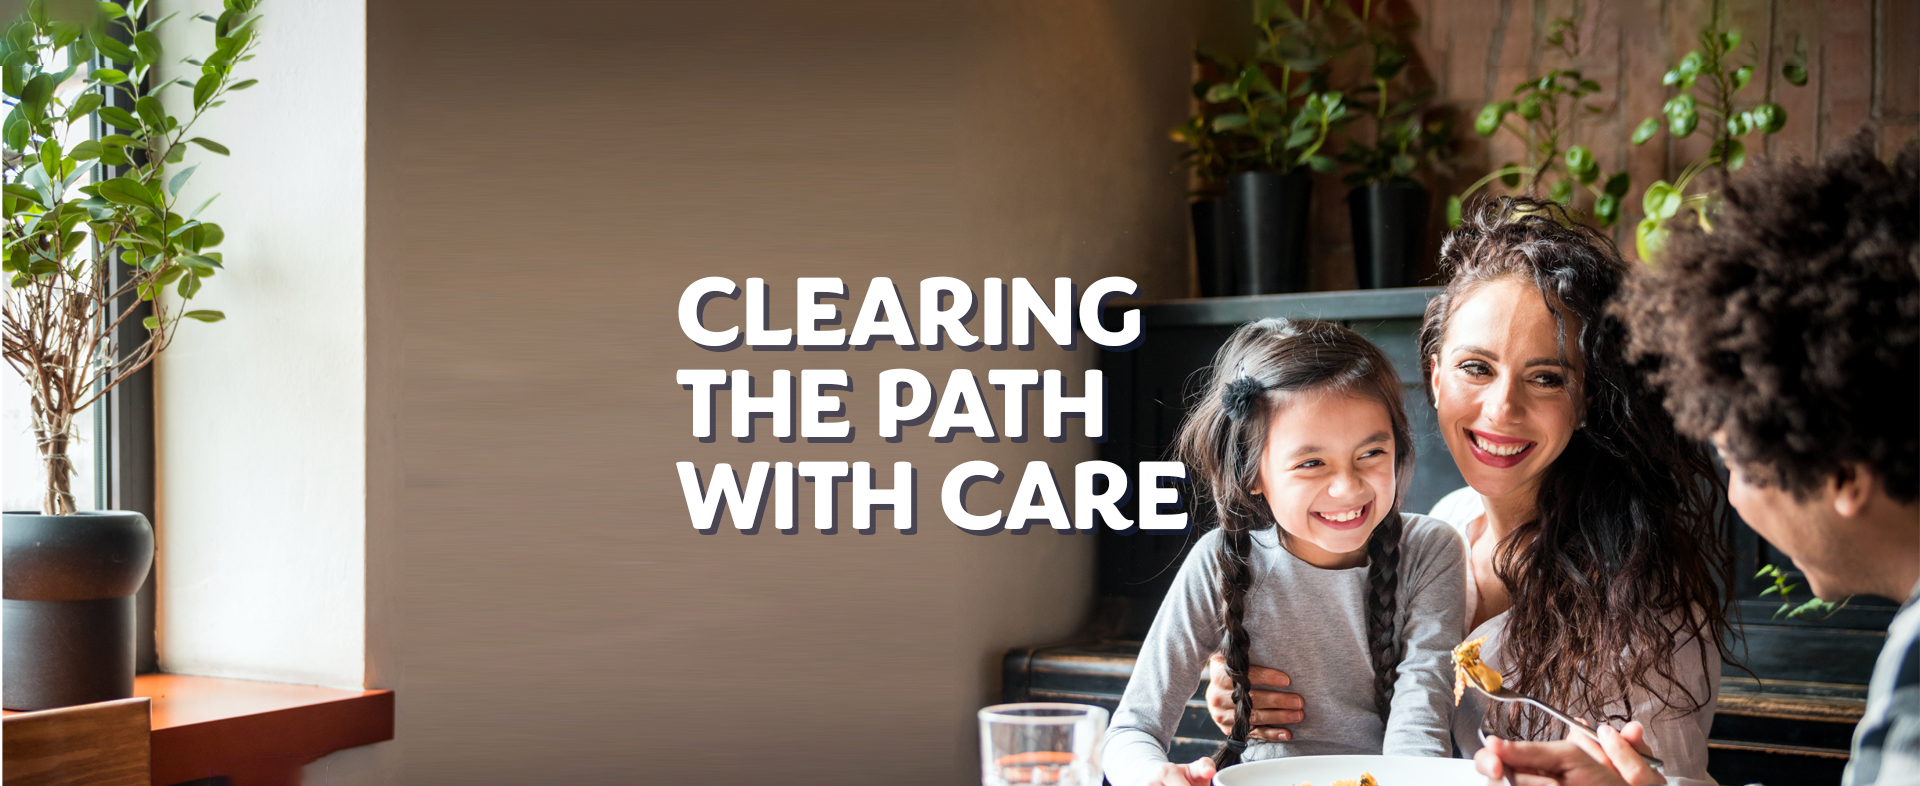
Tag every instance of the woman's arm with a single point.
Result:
(1432, 597)
(1173, 657)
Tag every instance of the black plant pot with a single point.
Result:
(69, 583)
(1209, 253)
(1265, 225)
(1389, 233)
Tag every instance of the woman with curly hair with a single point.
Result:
(1789, 335)
(1595, 555)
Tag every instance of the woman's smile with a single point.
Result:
(1498, 451)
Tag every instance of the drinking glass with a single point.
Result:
(1052, 744)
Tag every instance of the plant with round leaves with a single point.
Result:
(1273, 112)
(1209, 152)
(1706, 83)
(93, 230)
(1407, 135)
(1544, 112)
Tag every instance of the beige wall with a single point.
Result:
(541, 186)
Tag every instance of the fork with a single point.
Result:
(1508, 695)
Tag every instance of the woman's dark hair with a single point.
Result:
(1793, 328)
(1261, 368)
(1625, 557)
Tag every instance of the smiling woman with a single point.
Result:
(1594, 557)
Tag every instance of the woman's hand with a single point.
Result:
(1271, 708)
(1198, 772)
(1562, 763)
(1620, 751)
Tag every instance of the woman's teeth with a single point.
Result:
(1341, 518)
(1498, 449)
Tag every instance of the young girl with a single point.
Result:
(1300, 445)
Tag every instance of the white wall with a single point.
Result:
(261, 417)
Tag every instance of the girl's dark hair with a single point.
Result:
(1625, 556)
(1262, 366)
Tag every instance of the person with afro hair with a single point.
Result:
(1785, 329)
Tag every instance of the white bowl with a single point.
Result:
(1324, 770)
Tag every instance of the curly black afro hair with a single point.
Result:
(1792, 324)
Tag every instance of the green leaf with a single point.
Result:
(1671, 77)
(116, 140)
(211, 235)
(1730, 40)
(1489, 118)
(199, 262)
(23, 192)
(1648, 238)
(1530, 107)
(111, 10)
(84, 105)
(112, 48)
(203, 89)
(148, 44)
(151, 112)
(1323, 164)
(1453, 211)
(189, 286)
(1770, 590)
(150, 322)
(1561, 191)
(1221, 123)
(1661, 201)
(111, 76)
(1769, 118)
(1795, 73)
(1618, 185)
(205, 315)
(1682, 124)
(1741, 76)
(1580, 162)
(1301, 137)
(1403, 165)
(1735, 155)
(203, 206)
(1607, 208)
(1510, 179)
(126, 191)
(173, 186)
(119, 118)
(1645, 131)
(1690, 66)
(243, 84)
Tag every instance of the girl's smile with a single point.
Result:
(1328, 475)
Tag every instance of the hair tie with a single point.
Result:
(1241, 394)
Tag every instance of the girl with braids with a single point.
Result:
(1300, 448)
(1595, 553)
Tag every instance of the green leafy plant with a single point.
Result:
(1271, 112)
(1406, 137)
(1544, 112)
(92, 230)
(1782, 588)
(1706, 82)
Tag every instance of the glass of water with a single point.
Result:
(1052, 744)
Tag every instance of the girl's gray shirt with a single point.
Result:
(1312, 624)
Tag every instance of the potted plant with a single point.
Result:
(1208, 155)
(1549, 108)
(1706, 82)
(1387, 206)
(93, 234)
(1277, 114)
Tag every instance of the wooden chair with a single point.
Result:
(104, 744)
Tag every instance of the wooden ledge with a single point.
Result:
(255, 733)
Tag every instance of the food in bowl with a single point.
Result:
(1366, 779)
(1468, 666)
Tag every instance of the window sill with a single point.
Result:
(254, 733)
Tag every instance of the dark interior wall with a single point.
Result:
(543, 180)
